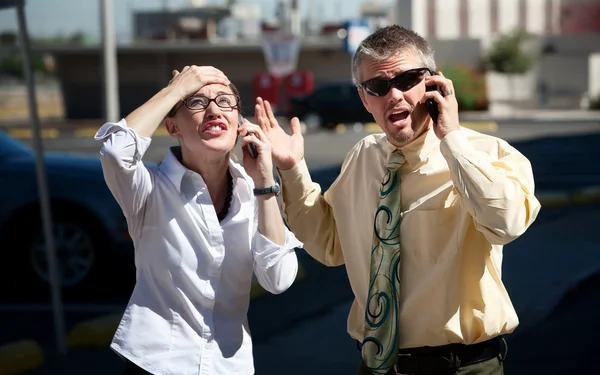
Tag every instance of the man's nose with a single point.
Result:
(396, 95)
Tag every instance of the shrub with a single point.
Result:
(469, 86)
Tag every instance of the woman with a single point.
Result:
(200, 224)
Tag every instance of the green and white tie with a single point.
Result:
(380, 345)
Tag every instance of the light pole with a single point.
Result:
(109, 48)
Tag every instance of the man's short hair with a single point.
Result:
(389, 41)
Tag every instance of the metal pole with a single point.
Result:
(59, 323)
(111, 80)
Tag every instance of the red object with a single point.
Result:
(267, 86)
(298, 83)
(578, 17)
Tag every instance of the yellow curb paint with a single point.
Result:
(161, 132)
(372, 127)
(588, 195)
(26, 133)
(481, 126)
(20, 356)
(94, 333)
(554, 199)
(340, 128)
(85, 132)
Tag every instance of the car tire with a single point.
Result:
(79, 250)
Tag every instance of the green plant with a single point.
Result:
(507, 55)
(469, 86)
(12, 65)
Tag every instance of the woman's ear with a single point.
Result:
(172, 128)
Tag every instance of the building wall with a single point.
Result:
(482, 19)
(142, 73)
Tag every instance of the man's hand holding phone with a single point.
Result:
(444, 99)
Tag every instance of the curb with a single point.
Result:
(99, 332)
(560, 199)
(20, 356)
(372, 127)
(94, 333)
(54, 133)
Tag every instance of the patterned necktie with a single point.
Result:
(380, 345)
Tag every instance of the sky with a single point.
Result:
(47, 18)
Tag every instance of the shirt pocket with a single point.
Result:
(431, 236)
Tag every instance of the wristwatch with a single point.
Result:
(275, 189)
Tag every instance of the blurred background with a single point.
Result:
(527, 71)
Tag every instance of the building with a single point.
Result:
(566, 33)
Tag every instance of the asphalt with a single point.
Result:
(303, 330)
(552, 274)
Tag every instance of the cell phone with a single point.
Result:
(432, 106)
(250, 146)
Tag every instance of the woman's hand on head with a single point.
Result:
(192, 78)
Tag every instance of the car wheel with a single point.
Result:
(74, 249)
(80, 249)
(313, 121)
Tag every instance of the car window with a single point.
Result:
(333, 94)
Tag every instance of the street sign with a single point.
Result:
(281, 52)
(356, 32)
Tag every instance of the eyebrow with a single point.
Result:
(206, 96)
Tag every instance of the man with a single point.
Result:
(418, 215)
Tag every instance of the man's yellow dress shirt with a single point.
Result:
(463, 198)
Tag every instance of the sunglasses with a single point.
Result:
(403, 82)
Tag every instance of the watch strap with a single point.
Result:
(267, 190)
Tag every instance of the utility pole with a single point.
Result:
(109, 47)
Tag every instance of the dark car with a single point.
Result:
(89, 228)
(330, 104)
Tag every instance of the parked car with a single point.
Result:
(90, 231)
(330, 104)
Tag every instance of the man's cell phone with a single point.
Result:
(432, 106)
(251, 147)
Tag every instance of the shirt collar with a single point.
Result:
(416, 151)
(174, 170)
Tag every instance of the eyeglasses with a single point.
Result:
(403, 82)
(200, 103)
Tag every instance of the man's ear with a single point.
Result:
(172, 128)
(363, 98)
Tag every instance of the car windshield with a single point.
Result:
(10, 146)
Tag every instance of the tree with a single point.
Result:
(8, 38)
(507, 55)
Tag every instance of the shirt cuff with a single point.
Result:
(267, 253)
(295, 179)
(110, 128)
(127, 137)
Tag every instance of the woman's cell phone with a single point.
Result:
(252, 150)
(251, 147)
